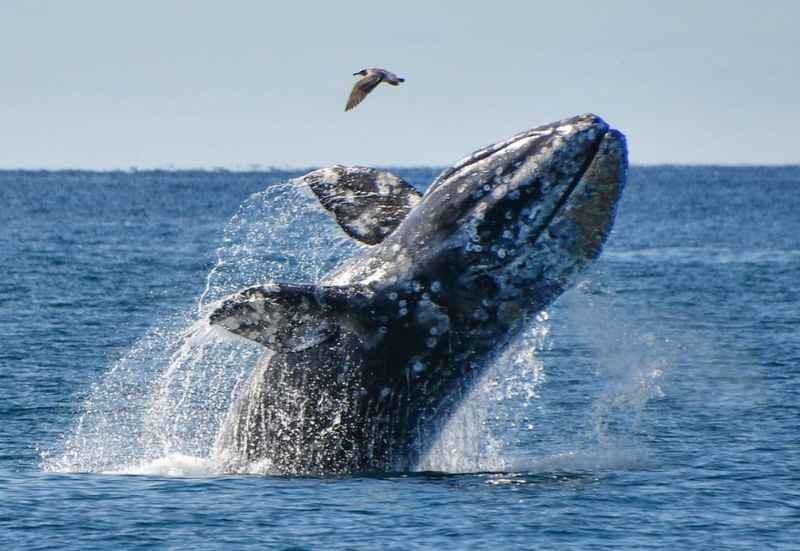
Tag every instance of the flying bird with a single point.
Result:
(370, 79)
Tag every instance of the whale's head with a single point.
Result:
(493, 240)
(509, 227)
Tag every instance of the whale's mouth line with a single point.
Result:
(560, 204)
(562, 201)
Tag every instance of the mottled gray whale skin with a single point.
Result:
(362, 369)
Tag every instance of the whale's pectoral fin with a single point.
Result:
(287, 317)
(368, 204)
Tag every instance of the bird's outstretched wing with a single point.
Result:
(361, 89)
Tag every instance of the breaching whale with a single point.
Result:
(362, 369)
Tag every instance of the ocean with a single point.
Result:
(653, 406)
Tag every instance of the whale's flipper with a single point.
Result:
(368, 204)
(289, 317)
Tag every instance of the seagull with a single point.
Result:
(370, 79)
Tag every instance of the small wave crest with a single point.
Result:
(175, 464)
(703, 255)
(588, 460)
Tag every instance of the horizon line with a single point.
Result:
(271, 168)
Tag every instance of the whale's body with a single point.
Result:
(362, 369)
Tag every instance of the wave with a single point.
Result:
(702, 255)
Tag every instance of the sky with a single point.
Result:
(206, 84)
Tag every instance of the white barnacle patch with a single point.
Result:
(436, 286)
(230, 323)
(329, 176)
(418, 366)
(542, 316)
(501, 252)
(500, 191)
(363, 225)
(480, 210)
(431, 342)
(565, 129)
(385, 182)
(385, 392)
(402, 303)
(402, 312)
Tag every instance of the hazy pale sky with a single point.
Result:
(107, 84)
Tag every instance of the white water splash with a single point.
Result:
(508, 422)
(159, 408)
(279, 235)
(477, 436)
(174, 464)
(629, 360)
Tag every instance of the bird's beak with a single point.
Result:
(356, 74)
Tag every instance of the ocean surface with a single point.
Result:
(656, 405)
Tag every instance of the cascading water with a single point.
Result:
(505, 424)
(470, 440)
(161, 407)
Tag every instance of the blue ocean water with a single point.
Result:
(654, 406)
